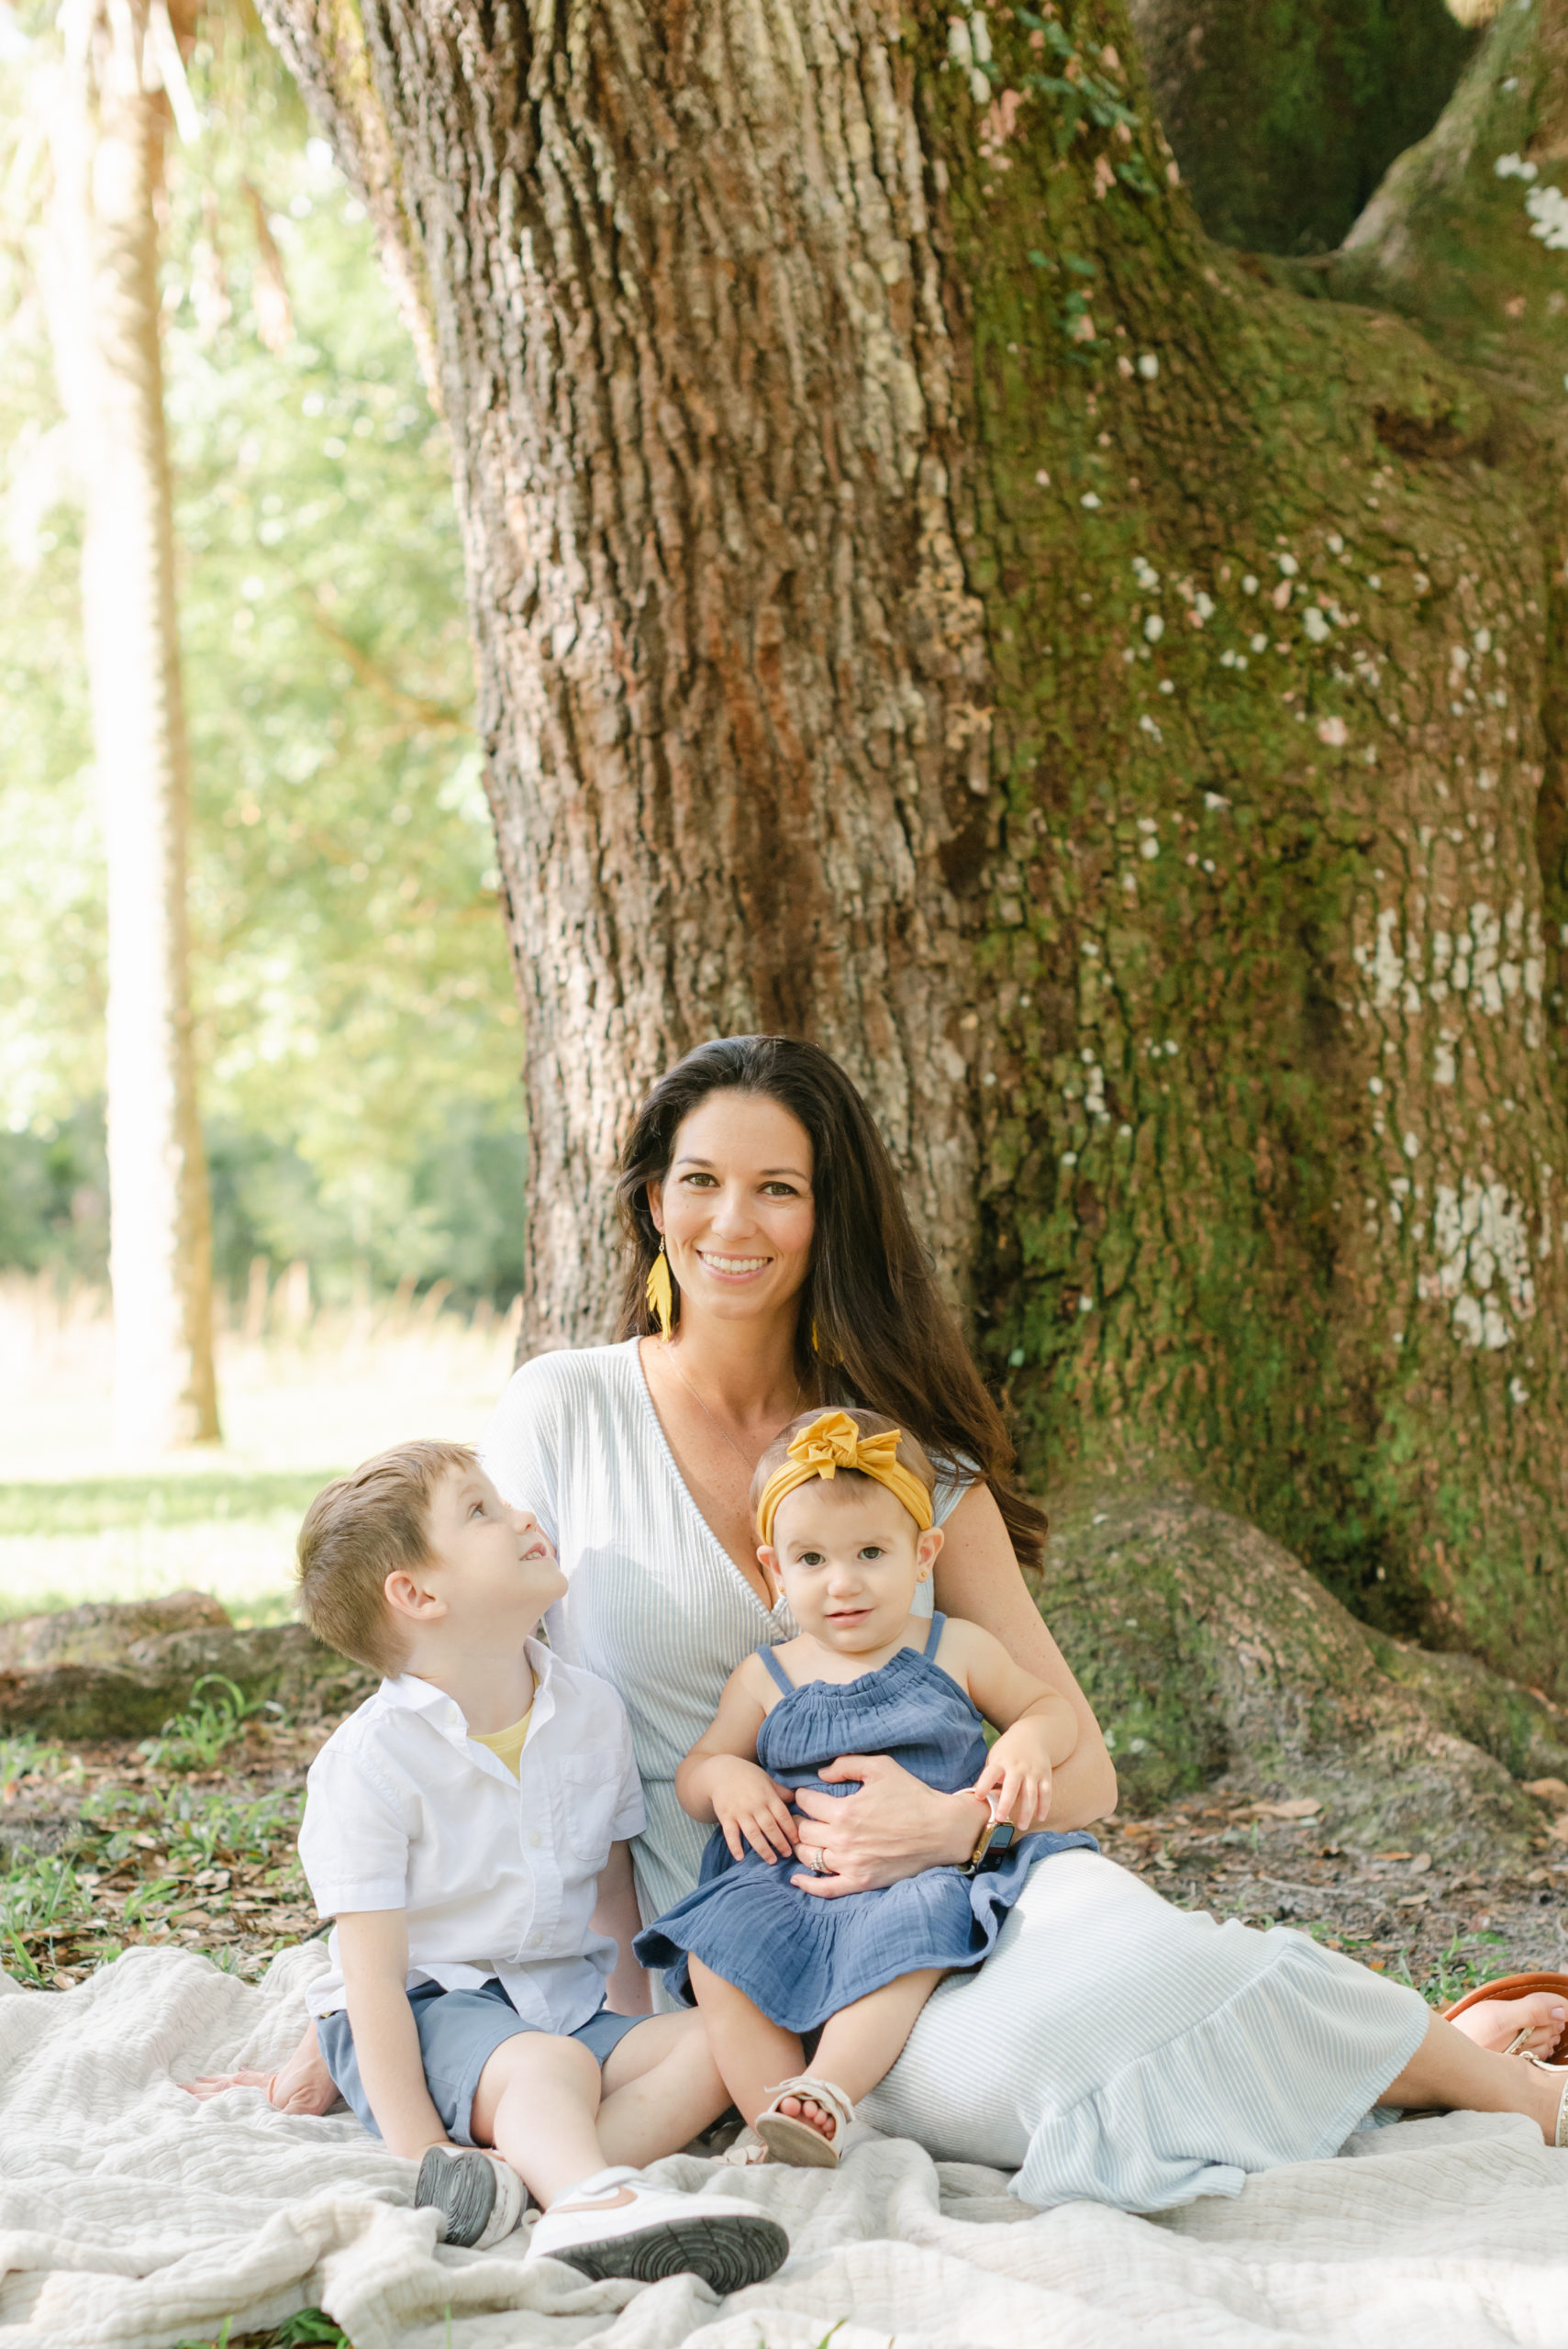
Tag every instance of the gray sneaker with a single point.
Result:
(479, 2196)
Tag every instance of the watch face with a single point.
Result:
(1003, 1836)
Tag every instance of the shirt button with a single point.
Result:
(536, 1941)
(536, 1841)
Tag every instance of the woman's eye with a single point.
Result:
(781, 1190)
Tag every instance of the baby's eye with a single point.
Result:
(809, 1558)
(871, 1550)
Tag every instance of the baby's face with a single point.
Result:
(849, 1557)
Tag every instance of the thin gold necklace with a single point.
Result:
(748, 1464)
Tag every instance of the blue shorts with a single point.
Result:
(459, 2032)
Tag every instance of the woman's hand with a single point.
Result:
(893, 1826)
(1016, 1781)
(747, 1805)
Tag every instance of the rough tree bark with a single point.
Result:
(107, 117)
(928, 597)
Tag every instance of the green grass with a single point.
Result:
(203, 1497)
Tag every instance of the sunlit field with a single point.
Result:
(303, 1392)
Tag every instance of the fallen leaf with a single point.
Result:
(1420, 1864)
(1391, 1855)
(1558, 1829)
(1304, 1807)
(1547, 1790)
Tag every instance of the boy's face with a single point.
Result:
(850, 1556)
(492, 1565)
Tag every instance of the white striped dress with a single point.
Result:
(1113, 2047)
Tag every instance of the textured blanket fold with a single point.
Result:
(133, 2218)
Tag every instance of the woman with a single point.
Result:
(1113, 2047)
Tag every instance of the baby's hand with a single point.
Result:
(747, 1804)
(1015, 1780)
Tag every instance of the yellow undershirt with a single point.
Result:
(507, 1745)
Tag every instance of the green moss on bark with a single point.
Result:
(1247, 1095)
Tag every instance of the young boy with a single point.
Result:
(466, 1830)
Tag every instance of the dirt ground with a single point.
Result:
(105, 1848)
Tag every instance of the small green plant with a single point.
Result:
(23, 1757)
(40, 1894)
(220, 2343)
(201, 1827)
(195, 1738)
(1457, 1970)
(311, 2329)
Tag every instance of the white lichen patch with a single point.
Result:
(1491, 960)
(1480, 1240)
(1548, 209)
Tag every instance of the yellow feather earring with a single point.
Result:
(661, 1293)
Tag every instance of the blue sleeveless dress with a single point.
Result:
(799, 1958)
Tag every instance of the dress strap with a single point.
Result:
(776, 1668)
(934, 1636)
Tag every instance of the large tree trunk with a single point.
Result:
(107, 119)
(929, 598)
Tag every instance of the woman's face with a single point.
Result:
(735, 1206)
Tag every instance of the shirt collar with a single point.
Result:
(405, 1692)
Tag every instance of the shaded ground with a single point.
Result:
(108, 1846)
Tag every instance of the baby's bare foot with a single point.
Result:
(807, 2108)
(1497, 2022)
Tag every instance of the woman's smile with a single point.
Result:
(732, 1268)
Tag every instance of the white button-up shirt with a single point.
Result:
(499, 1875)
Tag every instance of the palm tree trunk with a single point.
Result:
(108, 122)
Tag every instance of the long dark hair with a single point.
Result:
(871, 1295)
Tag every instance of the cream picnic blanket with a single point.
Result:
(134, 2217)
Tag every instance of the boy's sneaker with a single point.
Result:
(616, 2224)
(479, 2196)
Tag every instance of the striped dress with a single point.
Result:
(1113, 2048)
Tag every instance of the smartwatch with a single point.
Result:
(996, 1837)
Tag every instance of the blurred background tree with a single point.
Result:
(356, 1026)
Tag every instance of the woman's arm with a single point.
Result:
(896, 1826)
(978, 1580)
(629, 1992)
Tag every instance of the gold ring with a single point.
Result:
(819, 1865)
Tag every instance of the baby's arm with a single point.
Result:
(721, 1779)
(372, 1947)
(1039, 1727)
(616, 1917)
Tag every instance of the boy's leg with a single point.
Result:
(860, 2045)
(661, 2089)
(537, 2103)
(749, 2051)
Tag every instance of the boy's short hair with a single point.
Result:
(362, 1528)
(910, 1452)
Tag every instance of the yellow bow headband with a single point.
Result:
(831, 1442)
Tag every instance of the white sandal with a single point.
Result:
(1559, 2071)
(796, 2141)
